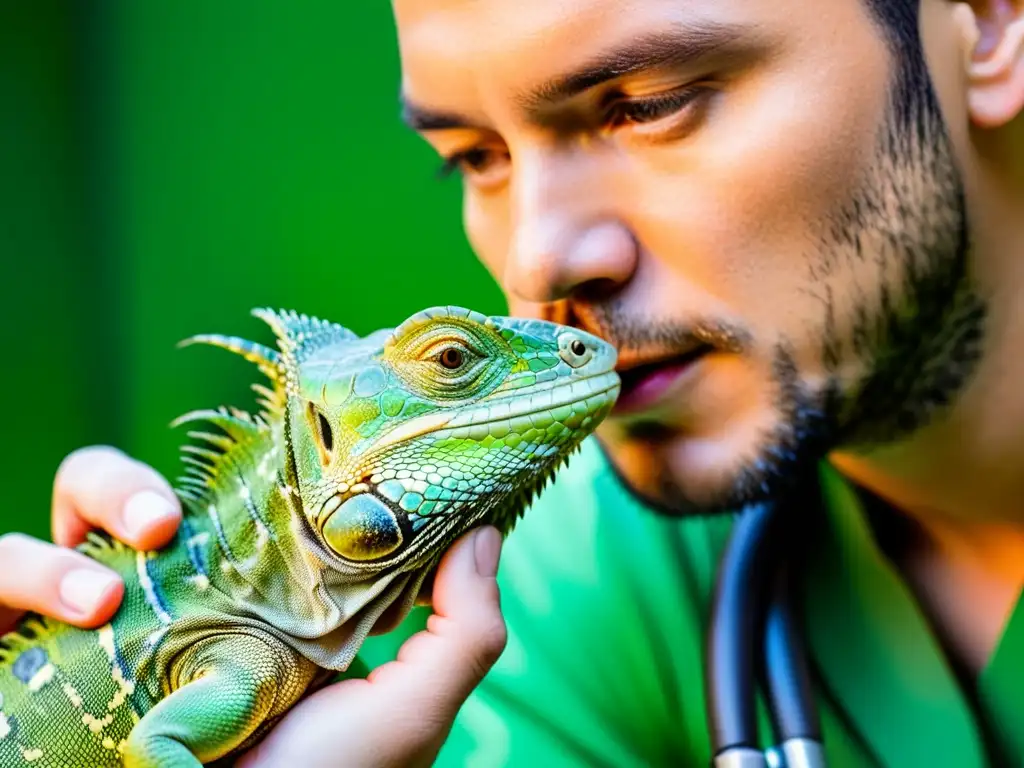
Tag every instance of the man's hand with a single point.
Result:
(400, 715)
(95, 487)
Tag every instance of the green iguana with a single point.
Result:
(302, 525)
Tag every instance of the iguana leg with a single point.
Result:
(225, 688)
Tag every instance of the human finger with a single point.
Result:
(55, 582)
(101, 487)
(440, 666)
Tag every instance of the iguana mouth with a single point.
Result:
(601, 384)
(438, 423)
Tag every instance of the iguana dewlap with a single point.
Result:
(302, 525)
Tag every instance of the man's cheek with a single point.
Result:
(488, 232)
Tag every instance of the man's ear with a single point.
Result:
(993, 33)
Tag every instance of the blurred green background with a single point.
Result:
(167, 166)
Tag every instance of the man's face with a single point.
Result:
(756, 202)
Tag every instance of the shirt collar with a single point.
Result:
(877, 658)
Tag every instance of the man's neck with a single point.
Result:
(960, 480)
(961, 483)
(968, 582)
(966, 575)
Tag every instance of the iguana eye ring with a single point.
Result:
(451, 358)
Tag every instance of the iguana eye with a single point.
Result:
(452, 358)
(450, 363)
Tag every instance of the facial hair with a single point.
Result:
(916, 336)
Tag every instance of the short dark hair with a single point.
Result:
(913, 99)
(899, 21)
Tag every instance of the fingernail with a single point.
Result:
(82, 588)
(487, 548)
(145, 508)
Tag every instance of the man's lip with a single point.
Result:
(629, 361)
(644, 381)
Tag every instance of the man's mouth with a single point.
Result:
(644, 383)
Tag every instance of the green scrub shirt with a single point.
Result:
(607, 605)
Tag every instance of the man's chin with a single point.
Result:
(665, 476)
(682, 475)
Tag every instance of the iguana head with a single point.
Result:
(374, 454)
(399, 442)
(405, 441)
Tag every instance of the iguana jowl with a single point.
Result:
(303, 525)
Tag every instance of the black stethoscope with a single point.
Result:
(753, 594)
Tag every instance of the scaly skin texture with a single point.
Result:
(303, 524)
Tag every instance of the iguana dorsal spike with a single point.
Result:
(268, 360)
(293, 330)
(297, 336)
(238, 425)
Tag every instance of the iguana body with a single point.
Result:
(302, 525)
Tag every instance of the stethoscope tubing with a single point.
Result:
(753, 592)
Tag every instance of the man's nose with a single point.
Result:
(568, 232)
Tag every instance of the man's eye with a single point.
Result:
(478, 162)
(650, 109)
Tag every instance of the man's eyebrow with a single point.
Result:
(663, 49)
(672, 48)
(421, 118)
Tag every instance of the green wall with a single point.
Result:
(166, 167)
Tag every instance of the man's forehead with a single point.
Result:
(517, 43)
(497, 15)
(458, 55)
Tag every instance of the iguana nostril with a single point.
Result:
(574, 351)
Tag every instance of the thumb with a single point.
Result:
(438, 668)
(402, 713)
